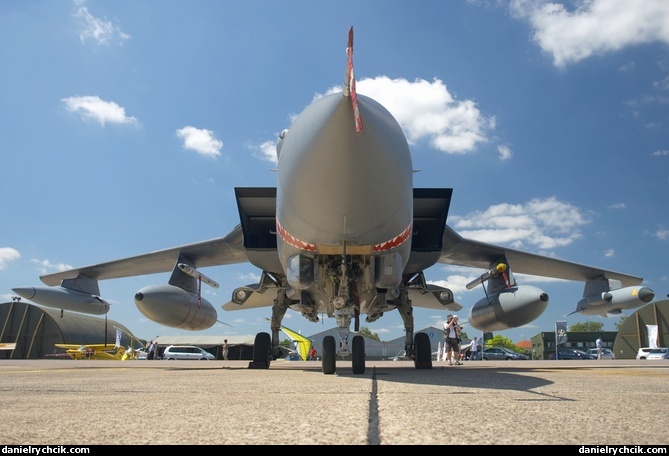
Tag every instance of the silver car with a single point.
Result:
(606, 353)
(501, 353)
(187, 352)
(658, 353)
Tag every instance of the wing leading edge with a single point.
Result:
(213, 252)
(467, 252)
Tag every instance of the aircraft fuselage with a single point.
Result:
(344, 207)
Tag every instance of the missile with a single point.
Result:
(65, 299)
(613, 301)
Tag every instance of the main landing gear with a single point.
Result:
(263, 342)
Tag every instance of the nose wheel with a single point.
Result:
(329, 359)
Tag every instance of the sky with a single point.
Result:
(127, 125)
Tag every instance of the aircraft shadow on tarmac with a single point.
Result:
(489, 378)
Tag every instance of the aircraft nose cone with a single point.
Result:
(646, 294)
(25, 292)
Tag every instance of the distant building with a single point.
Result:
(632, 335)
(543, 344)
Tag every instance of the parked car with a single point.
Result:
(400, 356)
(606, 353)
(658, 353)
(476, 356)
(574, 354)
(501, 353)
(293, 356)
(186, 352)
(643, 352)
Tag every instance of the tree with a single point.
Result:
(621, 322)
(587, 326)
(365, 332)
(501, 341)
(286, 343)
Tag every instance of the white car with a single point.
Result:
(658, 353)
(606, 353)
(401, 356)
(643, 352)
(187, 352)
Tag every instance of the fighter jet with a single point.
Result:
(344, 234)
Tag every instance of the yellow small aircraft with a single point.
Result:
(97, 351)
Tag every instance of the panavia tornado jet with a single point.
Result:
(345, 234)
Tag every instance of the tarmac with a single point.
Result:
(94, 402)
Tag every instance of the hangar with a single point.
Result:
(634, 332)
(28, 331)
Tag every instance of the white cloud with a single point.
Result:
(662, 234)
(268, 151)
(98, 30)
(618, 206)
(201, 141)
(594, 27)
(426, 111)
(504, 153)
(540, 224)
(94, 108)
(8, 254)
(45, 266)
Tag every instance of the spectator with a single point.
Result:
(599, 344)
(152, 351)
(452, 340)
(226, 348)
(473, 349)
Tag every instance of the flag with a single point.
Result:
(652, 335)
(302, 344)
(118, 337)
(560, 332)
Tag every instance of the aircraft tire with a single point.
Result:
(358, 347)
(422, 351)
(329, 361)
(261, 351)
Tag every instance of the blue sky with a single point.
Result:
(127, 125)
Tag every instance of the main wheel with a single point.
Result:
(261, 351)
(358, 347)
(329, 361)
(422, 351)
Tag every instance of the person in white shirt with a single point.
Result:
(226, 348)
(599, 344)
(452, 340)
(473, 349)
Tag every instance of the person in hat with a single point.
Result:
(452, 340)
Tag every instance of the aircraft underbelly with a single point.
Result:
(335, 185)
